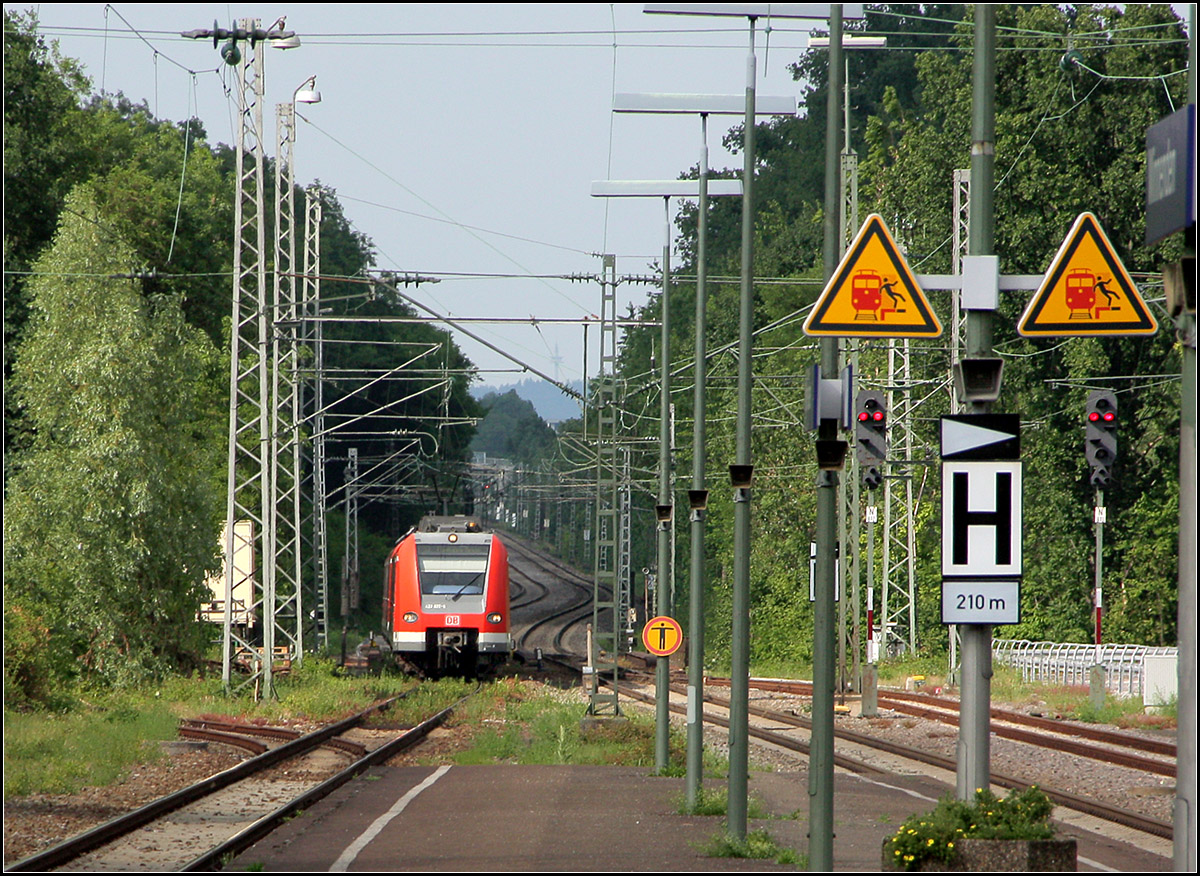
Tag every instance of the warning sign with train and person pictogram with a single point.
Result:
(873, 293)
(1087, 291)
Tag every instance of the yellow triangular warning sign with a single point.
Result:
(873, 293)
(1087, 291)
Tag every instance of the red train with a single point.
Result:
(445, 597)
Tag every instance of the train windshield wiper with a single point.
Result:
(463, 589)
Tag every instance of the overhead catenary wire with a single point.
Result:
(1113, 37)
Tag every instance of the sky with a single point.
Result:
(463, 139)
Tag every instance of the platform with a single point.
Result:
(591, 818)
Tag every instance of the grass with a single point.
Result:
(101, 735)
(520, 724)
(1074, 702)
(716, 802)
(757, 844)
(61, 753)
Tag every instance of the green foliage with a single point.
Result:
(61, 752)
(512, 429)
(757, 844)
(42, 96)
(316, 689)
(111, 517)
(716, 802)
(118, 409)
(32, 670)
(524, 728)
(1119, 711)
(166, 193)
(1022, 815)
(43, 159)
(1066, 141)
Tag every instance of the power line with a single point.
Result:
(428, 203)
(344, 197)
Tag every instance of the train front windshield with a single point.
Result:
(452, 570)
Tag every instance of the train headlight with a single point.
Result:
(410, 617)
(494, 618)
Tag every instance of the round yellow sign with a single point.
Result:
(662, 635)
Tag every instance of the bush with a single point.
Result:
(35, 674)
(1022, 815)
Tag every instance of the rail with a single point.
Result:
(1071, 663)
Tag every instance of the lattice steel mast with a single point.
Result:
(605, 620)
(249, 489)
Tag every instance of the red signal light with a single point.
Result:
(863, 416)
(1109, 416)
(877, 416)
(1093, 417)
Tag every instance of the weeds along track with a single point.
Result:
(198, 827)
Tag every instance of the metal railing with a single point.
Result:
(1070, 663)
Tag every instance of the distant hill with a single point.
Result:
(551, 403)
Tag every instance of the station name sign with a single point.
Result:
(1170, 174)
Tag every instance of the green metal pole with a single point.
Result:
(663, 596)
(974, 744)
(695, 713)
(1184, 857)
(739, 689)
(820, 761)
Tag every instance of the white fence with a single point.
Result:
(1068, 663)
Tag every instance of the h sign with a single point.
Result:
(981, 519)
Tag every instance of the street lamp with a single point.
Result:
(306, 92)
(821, 857)
(665, 594)
(703, 105)
(287, 411)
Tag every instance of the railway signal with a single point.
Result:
(870, 433)
(1101, 436)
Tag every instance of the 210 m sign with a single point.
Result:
(965, 601)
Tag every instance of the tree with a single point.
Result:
(512, 429)
(1070, 137)
(112, 516)
(43, 160)
(158, 183)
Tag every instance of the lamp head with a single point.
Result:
(307, 92)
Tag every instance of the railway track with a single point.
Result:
(1118, 749)
(1097, 808)
(1154, 757)
(559, 630)
(168, 829)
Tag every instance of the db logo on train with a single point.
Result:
(662, 636)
